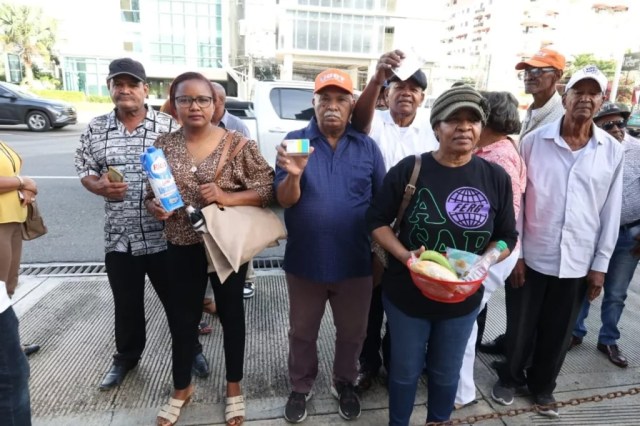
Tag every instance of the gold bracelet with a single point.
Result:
(21, 186)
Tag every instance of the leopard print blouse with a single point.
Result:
(248, 170)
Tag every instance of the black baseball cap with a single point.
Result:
(126, 66)
(610, 108)
(418, 77)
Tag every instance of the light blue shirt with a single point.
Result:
(231, 122)
(571, 213)
(631, 180)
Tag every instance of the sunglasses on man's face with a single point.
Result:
(620, 124)
(534, 72)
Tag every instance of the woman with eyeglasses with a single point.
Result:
(193, 153)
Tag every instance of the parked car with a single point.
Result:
(633, 123)
(19, 106)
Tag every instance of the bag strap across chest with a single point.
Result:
(409, 190)
(226, 157)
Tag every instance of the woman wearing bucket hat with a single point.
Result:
(460, 201)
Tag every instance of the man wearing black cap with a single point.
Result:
(134, 242)
(400, 131)
(612, 118)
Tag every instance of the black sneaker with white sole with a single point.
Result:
(296, 409)
(502, 394)
(546, 405)
(348, 401)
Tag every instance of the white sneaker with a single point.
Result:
(248, 291)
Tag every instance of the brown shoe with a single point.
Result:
(614, 355)
(575, 341)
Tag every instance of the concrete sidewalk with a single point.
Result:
(72, 319)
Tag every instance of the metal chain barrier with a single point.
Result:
(471, 420)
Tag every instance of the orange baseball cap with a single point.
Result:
(333, 77)
(544, 58)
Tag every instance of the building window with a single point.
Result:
(130, 10)
(86, 75)
(196, 22)
(337, 32)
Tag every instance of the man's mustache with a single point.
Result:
(330, 114)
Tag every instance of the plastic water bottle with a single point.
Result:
(482, 265)
(197, 220)
(160, 178)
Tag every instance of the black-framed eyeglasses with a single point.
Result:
(534, 72)
(620, 124)
(187, 101)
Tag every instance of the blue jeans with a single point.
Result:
(445, 341)
(15, 406)
(621, 268)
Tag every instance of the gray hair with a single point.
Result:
(504, 117)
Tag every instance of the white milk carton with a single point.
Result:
(160, 178)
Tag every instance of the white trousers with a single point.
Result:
(498, 273)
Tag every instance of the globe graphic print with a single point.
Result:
(468, 207)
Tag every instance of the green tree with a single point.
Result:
(608, 66)
(27, 32)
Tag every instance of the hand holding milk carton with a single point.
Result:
(160, 178)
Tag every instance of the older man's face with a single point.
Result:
(583, 100)
(128, 93)
(333, 108)
(540, 79)
(404, 97)
(613, 124)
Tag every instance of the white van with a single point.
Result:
(280, 107)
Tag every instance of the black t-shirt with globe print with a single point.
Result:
(461, 207)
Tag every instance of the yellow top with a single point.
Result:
(11, 209)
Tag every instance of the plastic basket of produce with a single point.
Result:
(440, 282)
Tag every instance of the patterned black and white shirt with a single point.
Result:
(106, 142)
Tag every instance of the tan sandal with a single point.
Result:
(171, 411)
(234, 409)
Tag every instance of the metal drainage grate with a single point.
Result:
(63, 269)
(268, 263)
(93, 269)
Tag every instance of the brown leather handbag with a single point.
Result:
(34, 226)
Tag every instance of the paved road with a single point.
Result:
(74, 216)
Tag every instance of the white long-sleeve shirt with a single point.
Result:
(5, 302)
(397, 142)
(571, 212)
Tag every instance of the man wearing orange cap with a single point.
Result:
(540, 74)
(326, 193)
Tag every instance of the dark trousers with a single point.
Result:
(349, 300)
(188, 266)
(15, 406)
(547, 308)
(370, 359)
(126, 275)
